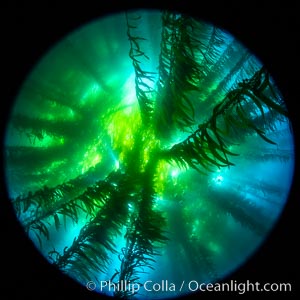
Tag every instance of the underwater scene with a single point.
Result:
(146, 138)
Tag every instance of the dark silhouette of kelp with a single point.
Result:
(190, 60)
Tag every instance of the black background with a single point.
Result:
(268, 29)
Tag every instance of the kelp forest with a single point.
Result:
(148, 145)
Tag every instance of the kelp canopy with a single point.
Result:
(148, 146)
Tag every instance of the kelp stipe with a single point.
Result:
(163, 141)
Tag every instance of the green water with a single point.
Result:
(148, 146)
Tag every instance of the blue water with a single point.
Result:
(77, 100)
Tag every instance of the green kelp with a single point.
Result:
(144, 139)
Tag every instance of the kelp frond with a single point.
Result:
(208, 146)
(144, 92)
(241, 210)
(89, 202)
(179, 73)
(89, 252)
(143, 236)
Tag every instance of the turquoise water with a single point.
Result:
(92, 160)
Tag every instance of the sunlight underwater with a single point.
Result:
(148, 146)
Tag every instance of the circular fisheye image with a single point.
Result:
(148, 155)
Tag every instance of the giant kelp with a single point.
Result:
(117, 153)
